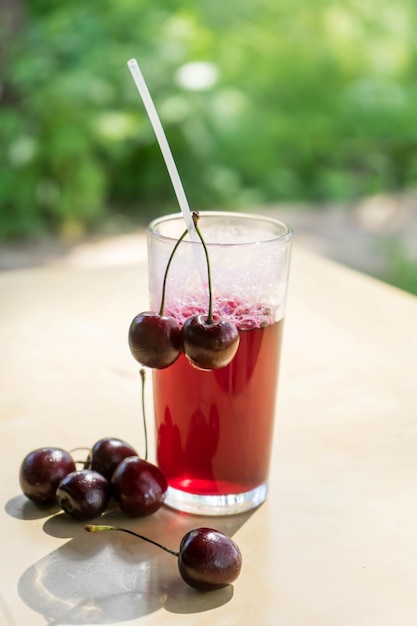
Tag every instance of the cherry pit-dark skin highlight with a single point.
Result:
(208, 341)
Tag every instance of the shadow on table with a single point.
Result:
(21, 508)
(113, 577)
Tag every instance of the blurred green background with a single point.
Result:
(263, 101)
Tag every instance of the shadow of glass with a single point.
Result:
(85, 582)
(164, 524)
(112, 577)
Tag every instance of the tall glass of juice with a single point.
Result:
(214, 428)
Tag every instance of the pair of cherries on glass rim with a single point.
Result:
(208, 341)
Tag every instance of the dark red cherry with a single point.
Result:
(138, 486)
(83, 494)
(42, 470)
(107, 453)
(209, 345)
(155, 340)
(207, 559)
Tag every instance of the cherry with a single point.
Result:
(42, 470)
(138, 486)
(154, 338)
(209, 342)
(207, 558)
(107, 453)
(83, 494)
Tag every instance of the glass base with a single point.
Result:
(216, 504)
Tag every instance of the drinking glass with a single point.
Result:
(214, 429)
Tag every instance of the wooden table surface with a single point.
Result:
(336, 542)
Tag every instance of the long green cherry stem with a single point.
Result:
(94, 528)
(196, 217)
(142, 373)
(164, 283)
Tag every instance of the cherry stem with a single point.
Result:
(79, 448)
(85, 463)
(164, 283)
(93, 528)
(145, 430)
(196, 217)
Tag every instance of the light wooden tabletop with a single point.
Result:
(336, 542)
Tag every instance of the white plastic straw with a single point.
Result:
(163, 144)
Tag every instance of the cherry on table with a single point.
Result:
(83, 494)
(41, 472)
(155, 339)
(207, 558)
(139, 487)
(107, 453)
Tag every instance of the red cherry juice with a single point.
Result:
(214, 429)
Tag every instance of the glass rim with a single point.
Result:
(282, 238)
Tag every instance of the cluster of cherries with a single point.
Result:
(113, 469)
(207, 558)
(208, 341)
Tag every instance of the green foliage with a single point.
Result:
(402, 267)
(313, 100)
